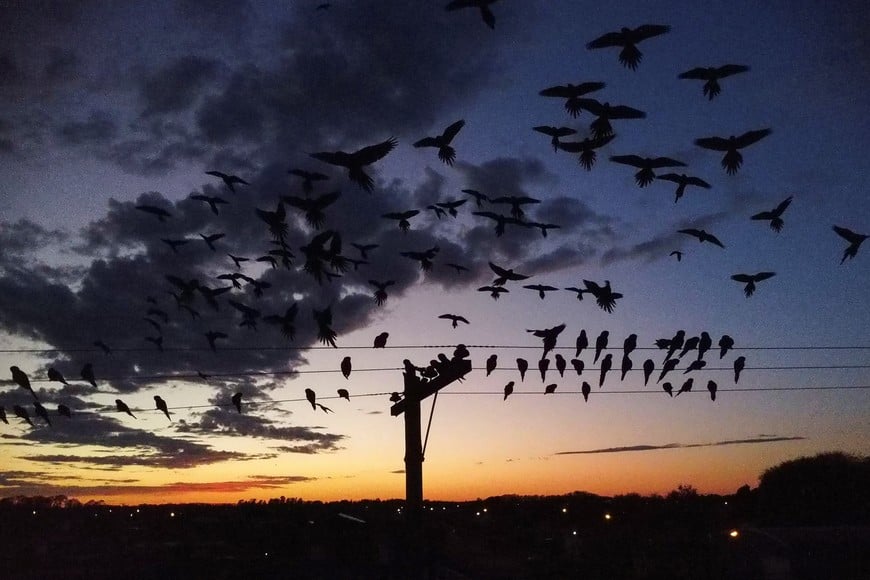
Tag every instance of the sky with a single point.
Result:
(107, 106)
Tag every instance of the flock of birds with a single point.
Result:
(324, 257)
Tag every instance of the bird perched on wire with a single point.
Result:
(682, 180)
(739, 365)
(446, 153)
(578, 366)
(229, 180)
(628, 38)
(88, 374)
(550, 389)
(585, 389)
(543, 366)
(702, 236)
(343, 394)
(669, 365)
(381, 340)
(161, 406)
(732, 159)
(354, 162)
(750, 280)
(668, 388)
(726, 343)
(648, 367)
(236, 400)
(646, 166)
(711, 76)
(508, 389)
(687, 386)
(483, 5)
(626, 366)
(601, 344)
(855, 240)
(22, 380)
(346, 367)
(712, 387)
(606, 365)
(522, 366)
(123, 408)
(573, 104)
(774, 215)
(561, 364)
(581, 343)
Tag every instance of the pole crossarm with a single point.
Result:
(417, 389)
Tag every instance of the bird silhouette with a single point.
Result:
(458, 267)
(505, 274)
(64, 411)
(739, 364)
(648, 367)
(646, 166)
(682, 180)
(451, 206)
(687, 386)
(508, 389)
(581, 343)
(774, 215)
(308, 178)
(212, 336)
(555, 133)
(395, 397)
(561, 364)
(541, 289)
(237, 402)
(212, 201)
(3, 415)
(446, 153)
(381, 290)
(702, 236)
(712, 387)
(500, 221)
(579, 291)
(103, 346)
(88, 374)
(343, 394)
(629, 344)
(675, 343)
(626, 366)
(725, 344)
(695, 365)
(494, 291)
(750, 280)
(572, 94)
(585, 389)
(381, 340)
(668, 366)
(550, 389)
(586, 148)
(123, 408)
(732, 159)
(157, 341)
(42, 412)
(174, 244)
(628, 38)
(678, 254)
(483, 5)
(325, 333)
(158, 212)
(578, 366)
(285, 321)
(601, 344)
(455, 319)
(425, 257)
(711, 76)
(354, 162)
(402, 217)
(276, 220)
(855, 240)
(522, 366)
(311, 397)
(543, 366)
(516, 202)
(491, 363)
(22, 413)
(21, 379)
(229, 180)
(606, 364)
(605, 297)
(542, 226)
(689, 345)
(313, 207)
(346, 367)
(668, 388)
(364, 249)
(704, 344)
(161, 406)
(479, 198)
(549, 336)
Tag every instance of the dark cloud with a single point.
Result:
(177, 85)
(98, 129)
(26, 236)
(61, 65)
(751, 441)
(10, 73)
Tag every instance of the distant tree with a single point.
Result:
(825, 489)
(683, 492)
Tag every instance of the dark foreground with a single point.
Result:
(574, 536)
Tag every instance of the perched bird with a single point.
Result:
(751, 279)
(308, 178)
(446, 153)
(342, 393)
(381, 290)
(325, 333)
(311, 397)
(522, 366)
(626, 366)
(585, 389)
(549, 336)
(648, 367)
(712, 387)
(732, 159)
(160, 213)
(541, 289)
(491, 363)
(483, 5)
(711, 76)
(668, 366)
(682, 180)
(578, 366)
(628, 38)
(586, 148)
(675, 343)
(605, 297)
(601, 344)
(42, 412)
(3, 414)
(695, 365)
(161, 406)
(22, 413)
(543, 365)
(346, 367)
(550, 389)
(739, 364)
(629, 344)
(237, 401)
(381, 340)
(21, 379)
(774, 215)
(494, 291)
(64, 411)
(212, 201)
(687, 386)
(702, 236)
(855, 241)
(572, 94)
(174, 244)
(689, 345)
(212, 336)
(582, 342)
(668, 388)
(229, 180)
(354, 162)
(561, 364)
(646, 166)
(725, 344)
(508, 389)
(395, 397)
(123, 408)
(555, 133)
(88, 374)
(505, 274)
(285, 321)
(606, 364)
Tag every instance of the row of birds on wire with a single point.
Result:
(676, 347)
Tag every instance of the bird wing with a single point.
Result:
(697, 181)
(782, 206)
(698, 73)
(648, 31)
(764, 276)
(659, 162)
(625, 112)
(633, 160)
(605, 40)
(692, 232)
(426, 142)
(372, 153)
(751, 137)
(714, 143)
(743, 278)
(727, 70)
(451, 131)
(848, 234)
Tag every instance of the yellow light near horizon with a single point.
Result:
(734, 533)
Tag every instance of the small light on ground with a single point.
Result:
(734, 533)
(607, 516)
(171, 514)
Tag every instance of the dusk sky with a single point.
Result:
(105, 106)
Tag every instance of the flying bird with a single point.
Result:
(586, 148)
(425, 257)
(103, 346)
(276, 220)
(211, 239)
(491, 363)
(381, 340)
(682, 180)
(739, 364)
(516, 202)
(160, 213)
(628, 38)
(381, 292)
(702, 236)
(211, 200)
(711, 76)
(212, 336)
(325, 333)
(451, 206)
(174, 244)
(774, 215)
(579, 291)
(646, 166)
(161, 406)
(308, 178)
(446, 153)
(500, 221)
(549, 336)
(123, 408)
(751, 279)
(346, 367)
(541, 289)
(712, 387)
(455, 318)
(458, 267)
(479, 198)
(313, 207)
(285, 321)
(237, 401)
(605, 297)
(573, 104)
(855, 241)
(402, 217)
(229, 180)
(678, 254)
(354, 162)
(494, 291)
(732, 159)
(483, 5)
(88, 374)
(601, 344)
(606, 364)
(21, 379)
(364, 249)
(157, 341)
(505, 274)
(522, 366)
(555, 133)
(508, 389)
